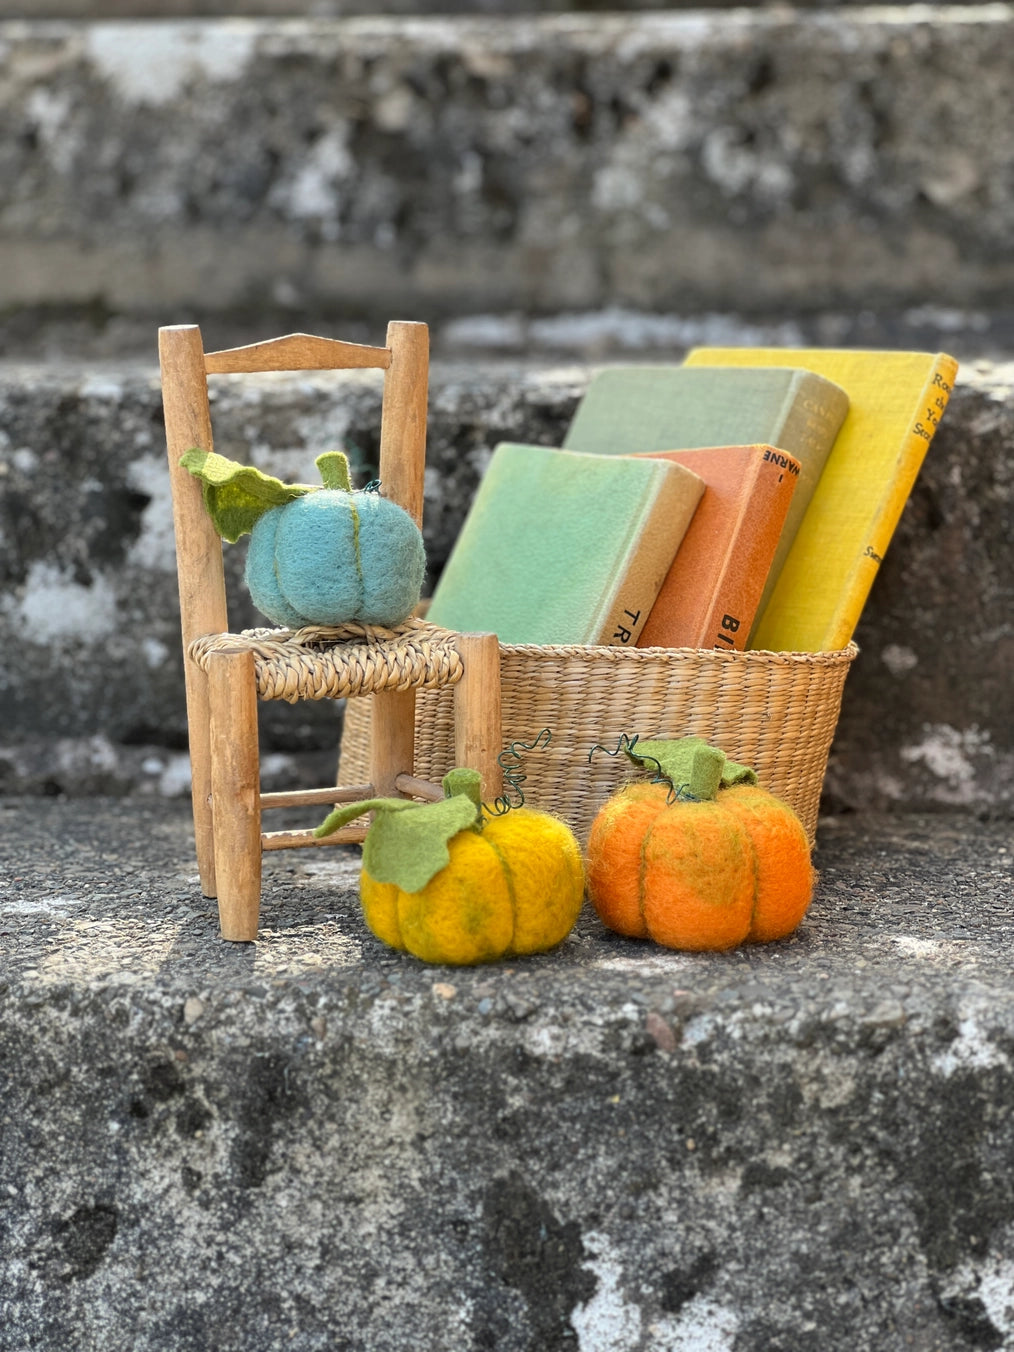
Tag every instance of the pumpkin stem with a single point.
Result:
(695, 770)
(465, 783)
(334, 470)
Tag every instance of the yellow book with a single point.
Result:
(896, 400)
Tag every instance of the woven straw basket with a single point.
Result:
(774, 711)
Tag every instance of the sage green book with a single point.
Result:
(630, 410)
(561, 547)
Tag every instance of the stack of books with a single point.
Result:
(742, 500)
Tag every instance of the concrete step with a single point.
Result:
(69, 336)
(312, 1143)
(91, 699)
(293, 9)
(753, 161)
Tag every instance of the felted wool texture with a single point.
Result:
(514, 888)
(681, 874)
(543, 867)
(784, 875)
(464, 915)
(261, 579)
(614, 856)
(380, 910)
(331, 556)
(317, 557)
(392, 559)
(698, 879)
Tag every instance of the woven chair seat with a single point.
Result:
(340, 663)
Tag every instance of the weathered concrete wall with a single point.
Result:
(930, 706)
(91, 695)
(313, 1143)
(90, 688)
(172, 9)
(670, 161)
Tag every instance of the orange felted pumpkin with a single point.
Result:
(700, 858)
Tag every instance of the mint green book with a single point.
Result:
(629, 410)
(560, 547)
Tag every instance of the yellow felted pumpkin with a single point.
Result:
(702, 858)
(449, 885)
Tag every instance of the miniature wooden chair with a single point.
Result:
(226, 673)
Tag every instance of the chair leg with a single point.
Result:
(235, 787)
(392, 739)
(478, 731)
(199, 725)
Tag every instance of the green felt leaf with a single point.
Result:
(236, 495)
(341, 816)
(734, 773)
(693, 768)
(407, 842)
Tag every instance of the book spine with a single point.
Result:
(709, 600)
(811, 418)
(927, 413)
(731, 616)
(813, 412)
(637, 583)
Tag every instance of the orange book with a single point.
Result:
(713, 588)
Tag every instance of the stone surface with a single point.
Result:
(297, 9)
(244, 9)
(87, 560)
(446, 165)
(91, 691)
(929, 707)
(68, 336)
(313, 1142)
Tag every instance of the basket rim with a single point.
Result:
(679, 656)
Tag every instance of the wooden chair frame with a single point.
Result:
(222, 699)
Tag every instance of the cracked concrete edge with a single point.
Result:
(800, 1147)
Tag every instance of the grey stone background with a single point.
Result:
(147, 9)
(548, 191)
(667, 162)
(312, 1143)
(94, 702)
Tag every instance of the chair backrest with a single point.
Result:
(185, 370)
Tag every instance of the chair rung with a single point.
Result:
(316, 797)
(419, 788)
(298, 840)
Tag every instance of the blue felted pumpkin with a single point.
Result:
(317, 555)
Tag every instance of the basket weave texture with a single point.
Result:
(353, 659)
(774, 711)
